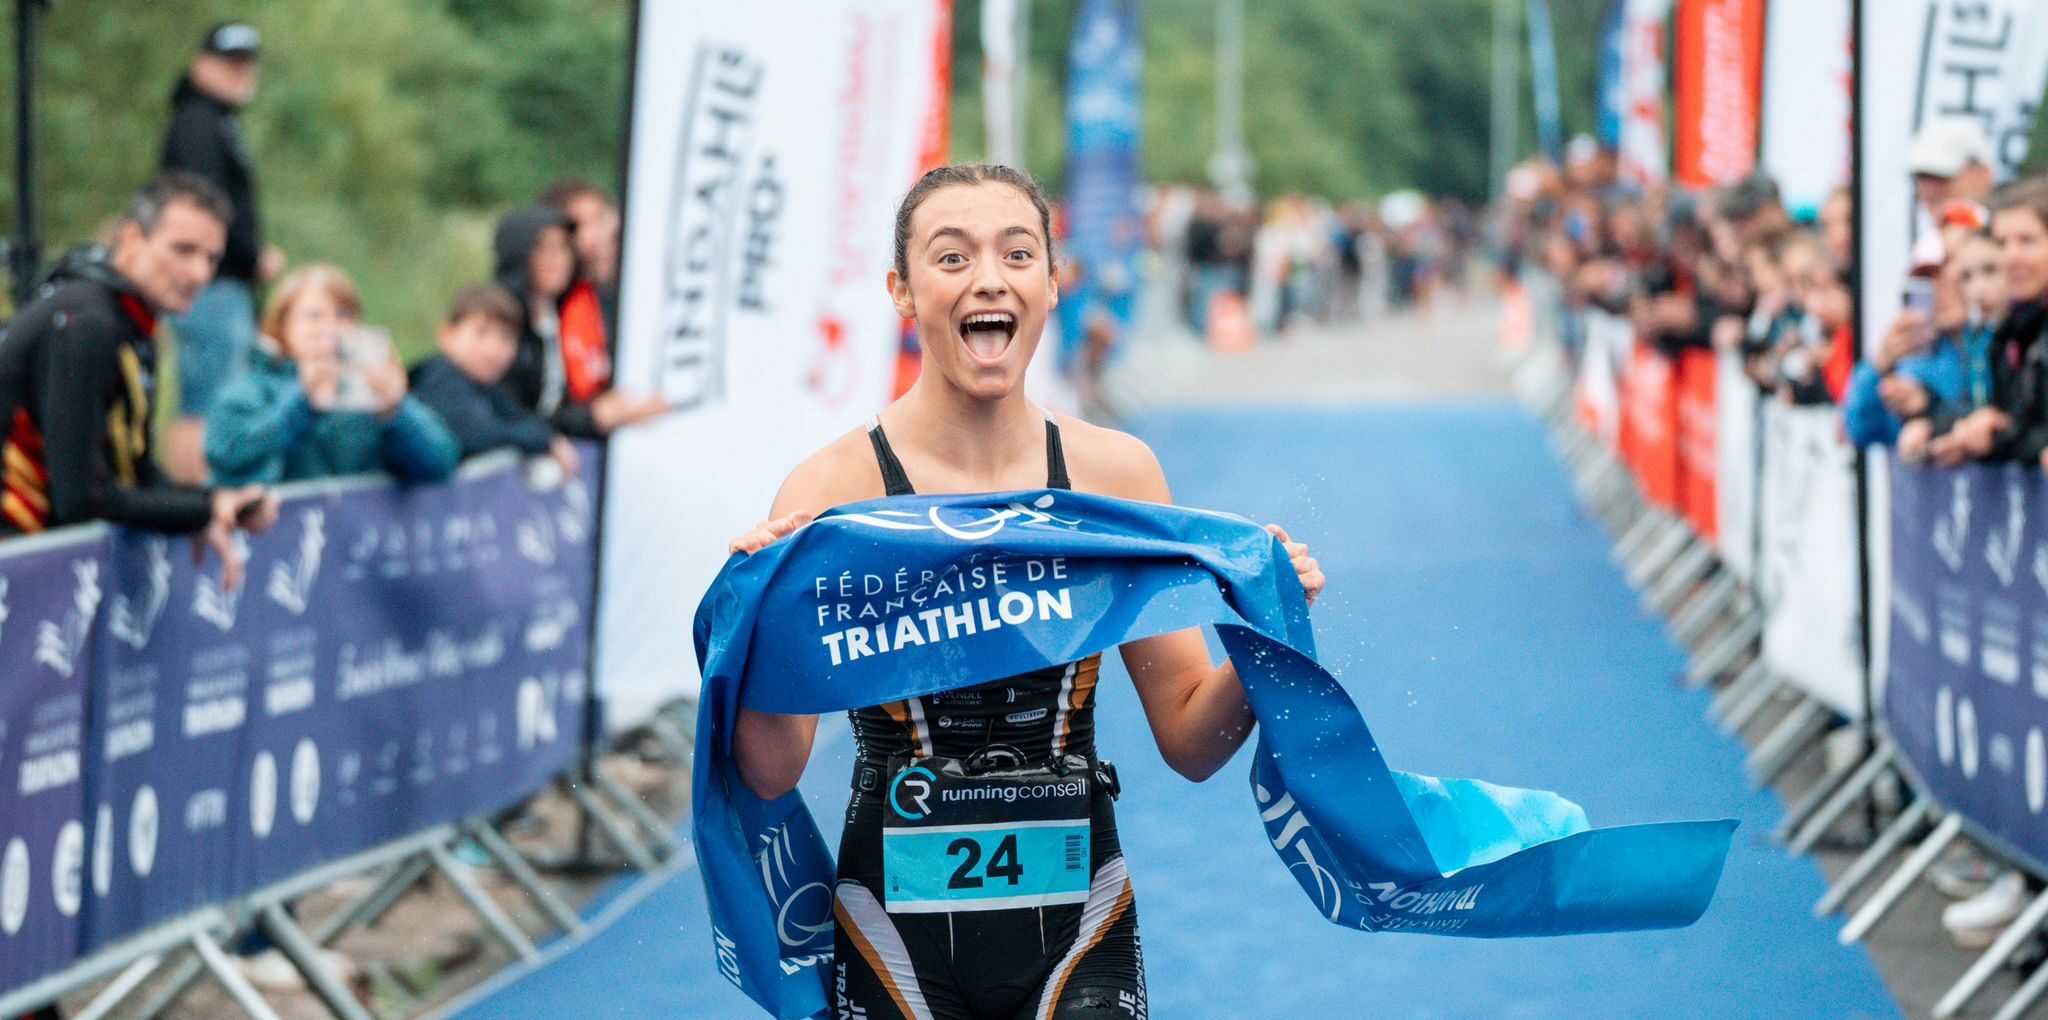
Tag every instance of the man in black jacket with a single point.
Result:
(78, 380)
(205, 140)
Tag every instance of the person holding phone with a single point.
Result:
(323, 396)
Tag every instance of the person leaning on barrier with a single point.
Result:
(2015, 424)
(78, 382)
(464, 384)
(301, 412)
(1922, 368)
(553, 370)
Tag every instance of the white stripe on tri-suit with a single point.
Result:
(1059, 719)
(920, 730)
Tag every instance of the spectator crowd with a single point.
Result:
(281, 375)
(1959, 373)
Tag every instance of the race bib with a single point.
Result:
(997, 841)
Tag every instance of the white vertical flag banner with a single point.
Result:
(1924, 60)
(769, 149)
(1806, 100)
(999, 80)
(1644, 155)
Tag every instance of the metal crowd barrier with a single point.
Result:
(402, 667)
(1960, 727)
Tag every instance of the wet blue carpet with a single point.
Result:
(1474, 615)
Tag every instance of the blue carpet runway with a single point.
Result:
(1474, 615)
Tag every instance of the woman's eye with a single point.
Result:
(951, 258)
(1021, 255)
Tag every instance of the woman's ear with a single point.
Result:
(899, 295)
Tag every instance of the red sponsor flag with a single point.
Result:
(1698, 456)
(1719, 71)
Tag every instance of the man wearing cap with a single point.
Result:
(1951, 162)
(215, 337)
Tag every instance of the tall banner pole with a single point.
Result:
(999, 74)
(24, 251)
(1543, 79)
(1505, 127)
(1859, 291)
(1230, 167)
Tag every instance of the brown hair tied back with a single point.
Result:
(966, 173)
(2030, 194)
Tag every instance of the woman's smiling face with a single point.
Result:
(979, 285)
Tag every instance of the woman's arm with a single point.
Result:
(771, 750)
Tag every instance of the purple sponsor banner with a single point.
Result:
(1967, 697)
(51, 592)
(396, 658)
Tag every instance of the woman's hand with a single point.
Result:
(387, 385)
(768, 532)
(1902, 396)
(1305, 566)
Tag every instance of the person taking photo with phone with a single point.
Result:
(323, 396)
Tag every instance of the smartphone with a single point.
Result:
(359, 350)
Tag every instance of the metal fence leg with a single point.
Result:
(1880, 850)
(371, 906)
(662, 840)
(190, 970)
(1659, 556)
(672, 738)
(1757, 672)
(1822, 794)
(1810, 830)
(2024, 999)
(486, 908)
(521, 870)
(1894, 888)
(304, 955)
(103, 1004)
(1721, 653)
(1794, 734)
(238, 988)
(1744, 712)
(1676, 579)
(1636, 537)
(2007, 943)
(636, 855)
(1690, 622)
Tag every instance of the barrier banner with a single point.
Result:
(848, 612)
(52, 590)
(396, 658)
(1967, 702)
(1698, 459)
(1806, 100)
(1649, 434)
(1924, 60)
(1719, 71)
(1808, 554)
(1643, 160)
(1736, 463)
(769, 149)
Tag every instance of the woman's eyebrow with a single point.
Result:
(961, 234)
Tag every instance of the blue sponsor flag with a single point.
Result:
(1543, 79)
(1105, 214)
(1610, 96)
(843, 615)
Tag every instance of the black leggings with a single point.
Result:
(1073, 962)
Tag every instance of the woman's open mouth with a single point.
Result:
(988, 334)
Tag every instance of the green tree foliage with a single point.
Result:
(388, 134)
(1343, 97)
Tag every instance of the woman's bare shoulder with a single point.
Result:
(843, 471)
(1109, 462)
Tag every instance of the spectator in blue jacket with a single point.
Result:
(308, 408)
(1924, 366)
